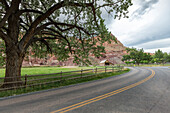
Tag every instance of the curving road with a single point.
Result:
(142, 90)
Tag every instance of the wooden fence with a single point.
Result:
(44, 79)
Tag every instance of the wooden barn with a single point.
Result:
(105, 63)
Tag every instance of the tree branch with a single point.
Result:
(111, 4)
(5, 29)
(39, 12)
(94, 14)
(75, 18)
(43, 5)
(6, 4)
(24, 27)
(4, 36)
(82, 42)
(28, 11)
(38, 29)
(35, 39)
(21, 21)
(14, 7)
(72, 26)
(45, 42)
(40, 18)
(61, 36)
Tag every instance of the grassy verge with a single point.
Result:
(44, 70)
(59, 84)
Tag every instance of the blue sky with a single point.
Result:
(147, 27)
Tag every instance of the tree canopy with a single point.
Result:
(139, 56)
(161, 57)
(64, 26)
(72, 23)
(136, 56)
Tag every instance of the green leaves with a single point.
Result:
(159, 54)
(137, 56)
(161, 57)
(72, 24)
(2, 53)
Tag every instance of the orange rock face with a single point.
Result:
(114, 53)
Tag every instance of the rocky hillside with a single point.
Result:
(114, 53)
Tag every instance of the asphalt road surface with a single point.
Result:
(142, 90)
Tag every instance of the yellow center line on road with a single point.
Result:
(83, 103)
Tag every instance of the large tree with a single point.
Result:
(69, 23)
(146, 58)
(137, 56)
(166, 57)
(159, 56)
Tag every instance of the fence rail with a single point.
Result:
(44, 79)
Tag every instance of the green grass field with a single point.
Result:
(47, 70)
(44, 70)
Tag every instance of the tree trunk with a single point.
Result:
(14, 60)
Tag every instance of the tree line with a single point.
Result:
(138, 56)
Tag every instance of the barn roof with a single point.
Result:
(103, 61)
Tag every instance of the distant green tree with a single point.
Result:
(127, 62)
(135, 55)
(126, 58)
(166, 57)
(146, 58)
(159, 55)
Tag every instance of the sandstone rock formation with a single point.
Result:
(114, 53)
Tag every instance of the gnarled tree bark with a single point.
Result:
(14, 59)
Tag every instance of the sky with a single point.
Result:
(147, 27)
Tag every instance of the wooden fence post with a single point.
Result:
(25, 80)
(81, 73)
(60, 75)
(122, 68)
(112, 69)
(96, 71)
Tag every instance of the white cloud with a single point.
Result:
(167, 49)
(157, 44)
(147, 27)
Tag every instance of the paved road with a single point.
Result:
(139, 91)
